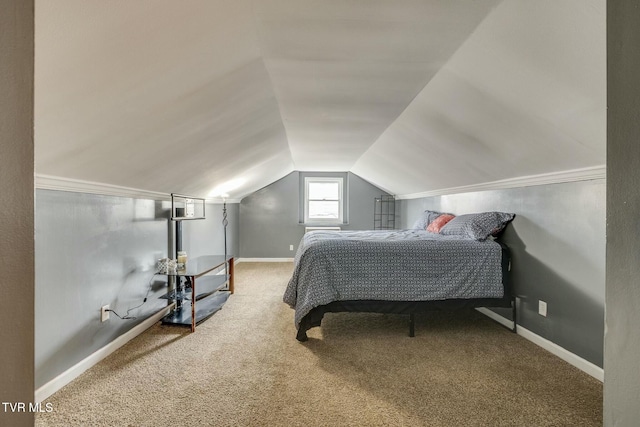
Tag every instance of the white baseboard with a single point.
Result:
(76, 370)
(264, 260)
(564, 354)
(584, 365)
(495, 316)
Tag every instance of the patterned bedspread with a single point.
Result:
(397, 265)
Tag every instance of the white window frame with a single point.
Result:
(312, 179)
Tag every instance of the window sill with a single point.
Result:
(323, 224)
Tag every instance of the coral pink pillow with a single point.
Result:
(439, 222)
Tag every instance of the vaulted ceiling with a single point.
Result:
(205, 97)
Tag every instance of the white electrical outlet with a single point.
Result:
(542, 308)
(104, 313)
(290, 247)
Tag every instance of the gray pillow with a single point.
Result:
(477, 226)
(425, 219)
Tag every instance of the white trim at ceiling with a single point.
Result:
(584, 174)
(49, 182)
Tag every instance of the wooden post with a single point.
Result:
(231, 274)
(193, 303)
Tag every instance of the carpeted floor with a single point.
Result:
(243, 367)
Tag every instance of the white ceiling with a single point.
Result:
(208, 96)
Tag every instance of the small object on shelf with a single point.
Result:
(166, 265)
(182, 260)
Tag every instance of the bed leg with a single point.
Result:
(412, 325)
(514, 314)
(302, 335)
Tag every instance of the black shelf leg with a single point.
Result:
(514, 313)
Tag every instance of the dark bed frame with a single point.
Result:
(315, 316)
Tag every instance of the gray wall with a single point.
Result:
(16, 209)
(557, 242)
(622, 340)
(270, 220)
(93, 250)
(206, 237)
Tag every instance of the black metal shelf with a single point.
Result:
(203, 274)
(205, 308)
(206, 286)
(384, 213)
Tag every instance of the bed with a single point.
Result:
(442, 262)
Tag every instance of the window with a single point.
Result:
(323, 200)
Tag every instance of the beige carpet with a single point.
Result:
(243, 367)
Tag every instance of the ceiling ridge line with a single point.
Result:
(444, 65)
(256, 34)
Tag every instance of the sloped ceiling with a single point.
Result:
(205, 97)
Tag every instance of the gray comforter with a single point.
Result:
(398, 265)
